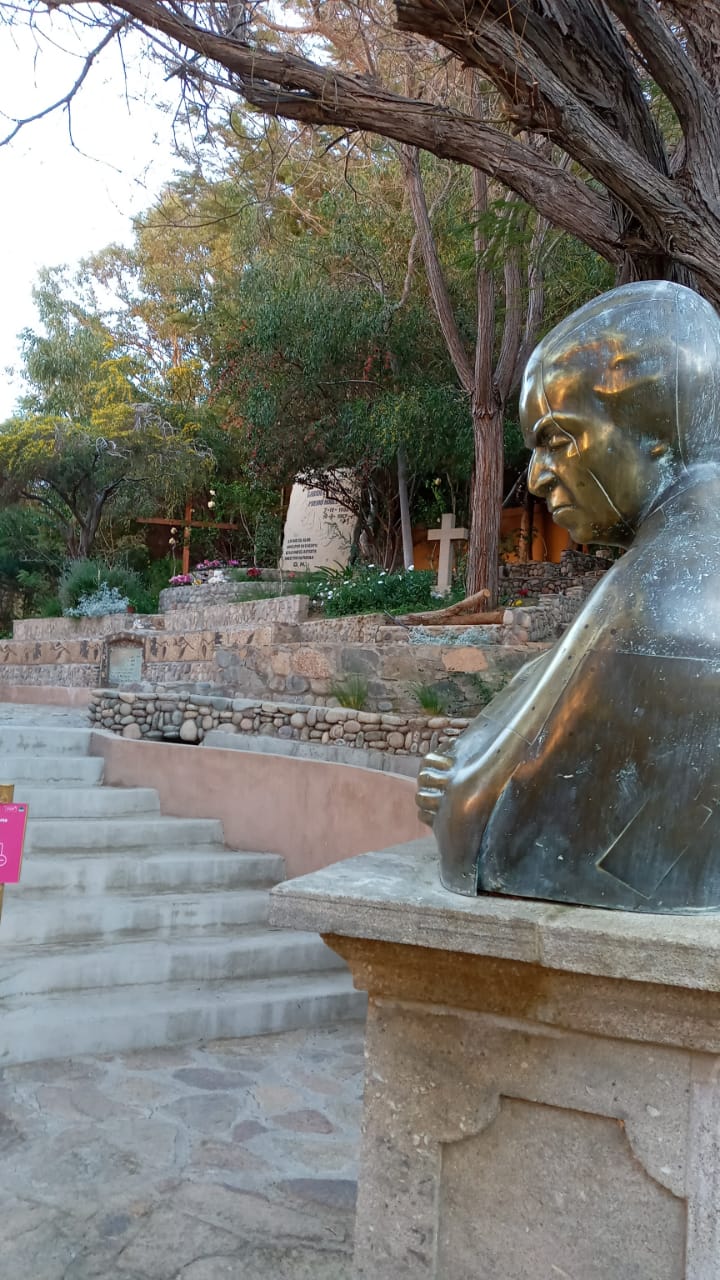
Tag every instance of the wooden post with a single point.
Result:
(187, 524)
(186, 538)
(7, 795)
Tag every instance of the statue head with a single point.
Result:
(618, 402)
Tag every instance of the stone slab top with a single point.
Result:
(396, 896)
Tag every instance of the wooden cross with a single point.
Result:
(187, 525)
(446, 535)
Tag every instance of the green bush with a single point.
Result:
(152, 579)
(39, 593)
(371, 590)
(305, 583)
(50, 607)
(86, 577)
(432, 700)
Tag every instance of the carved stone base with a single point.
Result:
(526, 1120)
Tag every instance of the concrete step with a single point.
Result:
(88, 802)
(40, 740)
(50, 771)
(247, 953)
(165, 872)
(38, 918)
(107, 834)
(130, 1018)
(131, 930)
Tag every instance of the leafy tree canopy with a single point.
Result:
(82, 442)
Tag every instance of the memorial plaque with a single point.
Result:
(318, 531)
(124, 662)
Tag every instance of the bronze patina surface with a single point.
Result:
(594, 777)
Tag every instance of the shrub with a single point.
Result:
(39, 593)
(351, 692)
(97, 603)
(371, 590)
(486, 692)
(50, 608)
(86, 577)
(431, 699)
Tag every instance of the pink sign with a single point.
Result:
(13, 818)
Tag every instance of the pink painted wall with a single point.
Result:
(312, 812)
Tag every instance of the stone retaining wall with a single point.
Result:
(269, 648)
(180, 717)
(541, 577)
(83, 628)
(213, 593)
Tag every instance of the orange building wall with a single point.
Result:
(549, 540)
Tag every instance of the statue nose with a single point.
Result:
(541, 477)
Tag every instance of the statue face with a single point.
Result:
(598, 478)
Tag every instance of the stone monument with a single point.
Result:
(595, 777)
(318, 531)
(542, 1094)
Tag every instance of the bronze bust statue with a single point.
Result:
(594, 777)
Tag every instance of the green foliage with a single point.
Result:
(39, 594)
(260, 327)
(28, 539)
(86, 577)
(49, 607)
(432, 700)
(484, 691)
(352, 691)
(267, 542)
(371, 590)
(84, 442)
(304, 584)
(152, 577)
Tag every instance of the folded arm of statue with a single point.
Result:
(457, 790)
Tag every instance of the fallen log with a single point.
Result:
(493, 618)
(471, 606)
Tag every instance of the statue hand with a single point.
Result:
(433, 779)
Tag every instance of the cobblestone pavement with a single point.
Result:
(235, 1159)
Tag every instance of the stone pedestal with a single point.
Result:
(542, 1097)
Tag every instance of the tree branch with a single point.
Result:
(67, 98)
(669, 65)
(282, 84)
(435, 276)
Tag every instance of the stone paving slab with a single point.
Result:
(235, 1159)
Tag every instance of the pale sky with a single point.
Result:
(58, 204)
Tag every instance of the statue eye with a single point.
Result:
(556, 440)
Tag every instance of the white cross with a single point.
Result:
(446, 535)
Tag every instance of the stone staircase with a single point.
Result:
(131, 930)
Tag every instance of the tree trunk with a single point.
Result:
(407, 542)
(486, 503)
(90, 526)
(525, 545)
